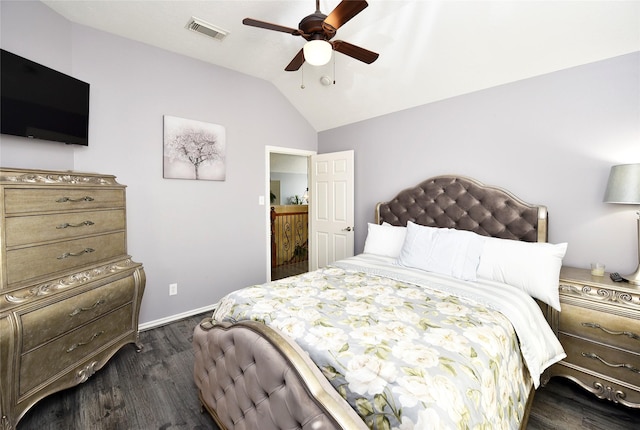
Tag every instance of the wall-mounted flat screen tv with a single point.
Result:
(42, 103)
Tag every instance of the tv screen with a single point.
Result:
(42, 103)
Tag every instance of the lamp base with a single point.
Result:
(634, 278)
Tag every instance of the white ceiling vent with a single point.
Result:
(203, 27)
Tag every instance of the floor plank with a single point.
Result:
(154, 389)
(287, 270)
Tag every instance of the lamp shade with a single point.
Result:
(317, 52)
(624, 185)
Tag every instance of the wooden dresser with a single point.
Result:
(599, 328)
(69, 293)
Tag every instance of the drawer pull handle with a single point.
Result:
(597, 357)
(79, 344)
(76, 311)
(82, 224)
(75, 254)
(615, 333)
(69, 199)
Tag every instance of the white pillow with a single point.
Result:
(532, 267)
(442, 250)
(385, 240)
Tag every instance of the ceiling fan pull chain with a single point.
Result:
(334, 69)
(302, 74)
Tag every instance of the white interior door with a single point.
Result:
(331, 208)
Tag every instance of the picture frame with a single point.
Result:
(193, 149)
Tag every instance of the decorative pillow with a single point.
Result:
(532, 267)
(442, 250)
(385, 240)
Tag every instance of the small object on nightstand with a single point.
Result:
(597, 269)
(615, 277)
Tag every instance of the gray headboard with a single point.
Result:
(463, 203)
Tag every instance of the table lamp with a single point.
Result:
(624, 188)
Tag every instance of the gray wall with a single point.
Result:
(51, 48)
(207, 236)
(550, 140)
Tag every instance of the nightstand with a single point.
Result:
(599, 328)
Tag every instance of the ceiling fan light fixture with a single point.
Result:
(317, 52)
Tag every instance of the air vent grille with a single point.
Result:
(203, 27)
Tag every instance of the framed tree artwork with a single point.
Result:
(194, 150)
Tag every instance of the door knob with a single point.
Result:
(347, 229)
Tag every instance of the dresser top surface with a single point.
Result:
(18, 176)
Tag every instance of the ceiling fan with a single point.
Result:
(318, 29)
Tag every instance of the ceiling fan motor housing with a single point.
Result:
(314, 28)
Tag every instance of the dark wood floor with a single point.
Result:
(564, 405)
(154, 389)
(287, 270)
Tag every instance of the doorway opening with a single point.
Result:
(287, 186)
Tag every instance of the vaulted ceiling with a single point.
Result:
(429, 50)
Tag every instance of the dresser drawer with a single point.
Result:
(621, 365)
(43, 324)
(20, 200)
(35, 261)
(40, 364)
(41, 228)
(601, 327)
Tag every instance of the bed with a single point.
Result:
(439, 323)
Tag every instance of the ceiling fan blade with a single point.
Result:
(296, 63)
(354, 51)
(346, 10)
(267, 25)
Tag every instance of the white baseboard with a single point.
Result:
(166, 320)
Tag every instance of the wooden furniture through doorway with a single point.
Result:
(289, 240)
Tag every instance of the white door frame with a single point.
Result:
(267, 215)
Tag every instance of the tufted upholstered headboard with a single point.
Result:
(463, 203)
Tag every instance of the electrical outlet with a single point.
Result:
(173, 289)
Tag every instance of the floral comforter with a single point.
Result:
(408, 349)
